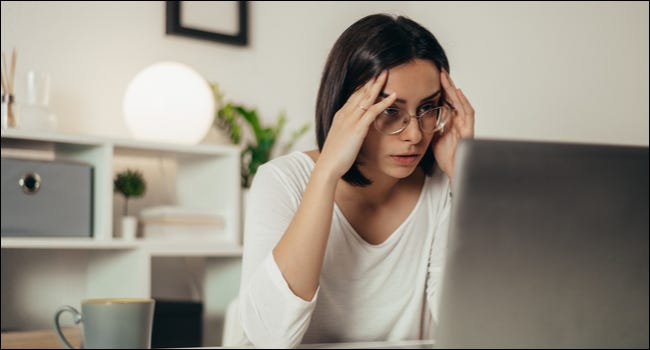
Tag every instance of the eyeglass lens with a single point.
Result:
(393, 120)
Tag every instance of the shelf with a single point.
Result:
(205, 177)
(63, 243)
(33, 137)
(146, 148)
(154, 248)
(214, 169)
(166, 149)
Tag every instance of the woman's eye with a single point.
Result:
(391, 112)
(426, 108)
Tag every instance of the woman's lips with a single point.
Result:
(405, 159)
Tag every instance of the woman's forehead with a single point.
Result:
(413, 81)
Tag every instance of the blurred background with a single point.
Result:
(564, 71)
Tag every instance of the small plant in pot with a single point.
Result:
(129, 183)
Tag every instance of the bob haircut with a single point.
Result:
(371, 45)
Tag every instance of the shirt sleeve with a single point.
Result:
(438, 252)
(271, 314)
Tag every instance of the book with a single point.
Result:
(181, 223)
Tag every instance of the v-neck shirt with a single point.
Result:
(367, 292)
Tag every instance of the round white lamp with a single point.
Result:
(169, 102)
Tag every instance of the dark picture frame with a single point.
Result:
(175, 27)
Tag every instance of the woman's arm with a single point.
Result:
(271, 314)
(300, 252)
(286, 234)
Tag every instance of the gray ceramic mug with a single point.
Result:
(112, 323)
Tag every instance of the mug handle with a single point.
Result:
(76, 316)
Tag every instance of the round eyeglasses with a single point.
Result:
(393, 120)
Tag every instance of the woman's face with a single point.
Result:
(417, 84)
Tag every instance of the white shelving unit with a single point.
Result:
(39, 274)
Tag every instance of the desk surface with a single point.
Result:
(403, 344)
(40, 339)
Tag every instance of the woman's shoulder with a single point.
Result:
(296, 166)
(295, 158)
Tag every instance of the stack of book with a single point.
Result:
(180, 223)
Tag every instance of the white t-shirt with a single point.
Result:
(367, 292)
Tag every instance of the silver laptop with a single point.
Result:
(548, 247)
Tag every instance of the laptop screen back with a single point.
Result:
(548, 247)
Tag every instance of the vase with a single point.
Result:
(35, 113)
(9, 119)
(129, 227)
(244, 204)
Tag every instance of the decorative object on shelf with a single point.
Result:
(259, 141)
(9, 119)
(181, 223)
(35, 113)
(193, 19)
(129, 183)
(169, 102)
(46, 198)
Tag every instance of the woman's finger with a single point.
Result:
(450, 91)
(361, 99)
(467, 106)
(377, 108)
(467, 129)
(375, 88)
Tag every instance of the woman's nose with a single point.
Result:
(412, 133)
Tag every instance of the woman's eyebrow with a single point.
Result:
(400, 100)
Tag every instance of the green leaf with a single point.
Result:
(233, 118)
(130, 183)
(250, 115)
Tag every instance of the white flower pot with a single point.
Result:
(129, 227)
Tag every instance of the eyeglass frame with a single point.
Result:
(439, 126)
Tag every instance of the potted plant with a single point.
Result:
(258, 141)
(129, 183)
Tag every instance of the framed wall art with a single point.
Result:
(220, 21)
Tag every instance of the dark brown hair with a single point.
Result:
(371, 45)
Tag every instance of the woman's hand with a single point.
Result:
(350, 126)
(459, 126)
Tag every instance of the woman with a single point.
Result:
(345, 243)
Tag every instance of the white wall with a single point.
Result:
(539, 71)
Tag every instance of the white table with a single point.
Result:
(403, 344)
